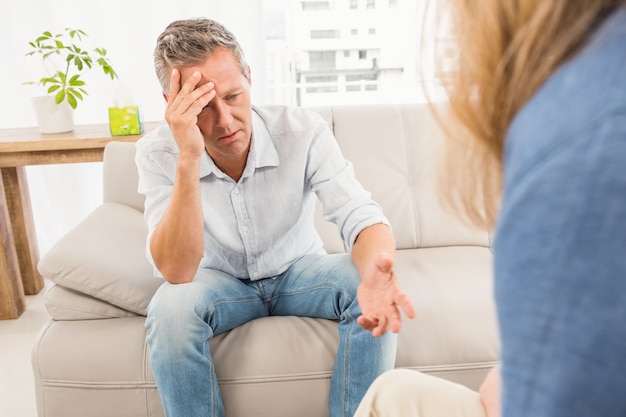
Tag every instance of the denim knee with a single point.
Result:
(174, 314)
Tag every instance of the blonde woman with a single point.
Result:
(541, 96)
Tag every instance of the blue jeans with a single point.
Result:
(183, 317)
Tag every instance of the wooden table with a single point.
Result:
(19, 253)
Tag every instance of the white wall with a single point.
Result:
(62, 195)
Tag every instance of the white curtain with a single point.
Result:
(62, 195)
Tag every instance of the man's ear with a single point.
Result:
(249, 77)
(164, 96)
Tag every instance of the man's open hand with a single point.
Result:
(381, 299)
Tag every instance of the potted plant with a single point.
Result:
(65, 60)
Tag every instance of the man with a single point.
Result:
(230, 194)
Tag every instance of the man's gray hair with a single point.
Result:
(190, 42)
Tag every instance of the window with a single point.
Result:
(371, 31)
(354, 32)
(371, 4)
(315, 5)
(362, 54)
(325, 84)
(324, 34)
(356, 82)
(322, 60)
(354, 4)
(370, 76)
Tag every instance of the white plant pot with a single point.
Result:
(52, 117)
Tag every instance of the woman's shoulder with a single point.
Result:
(583, 99)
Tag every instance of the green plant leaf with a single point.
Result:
(75, 82)
(77, 93)
(72, 101)
(48, 80)
(66, 50)
(78, 62)
(62, 77)
(59, 97)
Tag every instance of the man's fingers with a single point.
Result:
(381, 327)
(174, 84)
(207, 94)
(404, 302)
(190, 84)
(187, 101)
(367, 324)
(394, 319)
(189, 90)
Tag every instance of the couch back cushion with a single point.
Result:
(394, 150)
(120, 177)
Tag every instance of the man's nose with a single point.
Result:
(223, 115)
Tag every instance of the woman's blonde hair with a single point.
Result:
(507, 50)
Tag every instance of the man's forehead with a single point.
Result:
(219, 68)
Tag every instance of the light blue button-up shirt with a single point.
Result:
(257, 227)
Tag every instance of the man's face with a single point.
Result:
(226, 122)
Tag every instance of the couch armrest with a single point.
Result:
(104, 257)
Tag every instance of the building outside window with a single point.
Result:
(353, 52)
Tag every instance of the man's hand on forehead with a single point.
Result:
(191, 89)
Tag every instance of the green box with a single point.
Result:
(125, 121)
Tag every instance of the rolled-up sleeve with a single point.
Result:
(345, 202)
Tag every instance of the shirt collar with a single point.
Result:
(262, 152)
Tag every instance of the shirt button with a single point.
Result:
(236, 191)
(245, 228)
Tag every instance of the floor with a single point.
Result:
(17, 394)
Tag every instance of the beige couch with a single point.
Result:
(91, 360)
